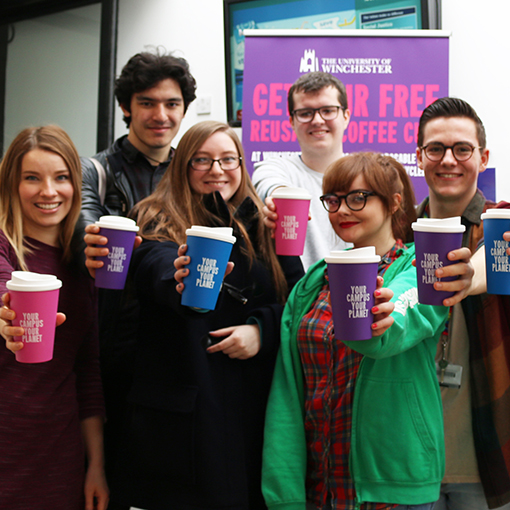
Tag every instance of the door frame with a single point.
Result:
(27, 9)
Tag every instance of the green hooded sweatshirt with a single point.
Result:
(397, 443)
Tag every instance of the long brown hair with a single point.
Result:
(175, 206)
(383, 175)
(49, 138)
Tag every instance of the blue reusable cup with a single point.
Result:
(209, 249)
(495, 223)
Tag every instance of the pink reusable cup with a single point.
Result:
(352, 282)
(121, 234)
(34, 298)
(434, 239)
(292, 206)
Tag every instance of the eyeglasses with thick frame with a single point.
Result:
(227, 163)
(462, 151)
(305, 115)
(355, 200)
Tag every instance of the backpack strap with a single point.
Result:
(101, 179)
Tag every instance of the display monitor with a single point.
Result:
(304, 14)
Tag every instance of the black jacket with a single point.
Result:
(194, 439)
(118, 161)
(118, 312)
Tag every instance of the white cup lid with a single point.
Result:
(364, 255)
(117, 223)
(496, 214)
(26, 281)
(446, 225)
(219, 233)
(295, 193)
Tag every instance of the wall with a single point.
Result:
(479, 49)
(193, 30)
(52, 75)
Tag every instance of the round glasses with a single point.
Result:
(355, 200)
(462, 151)
(205, 164)
(305, 115)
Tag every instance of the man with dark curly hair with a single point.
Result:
(154, 91)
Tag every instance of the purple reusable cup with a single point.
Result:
(434, 239)
(292, 206)
(34, 298)
(352, 282)
(121, 233)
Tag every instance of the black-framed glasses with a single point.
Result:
(305, 115)
(205, 164)
(356, 200)
(462, 151)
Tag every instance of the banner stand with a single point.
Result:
(390, 77)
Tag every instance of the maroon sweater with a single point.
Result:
(41, 448)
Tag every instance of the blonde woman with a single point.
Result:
(51, 414)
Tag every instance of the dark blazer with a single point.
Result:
(194, 439)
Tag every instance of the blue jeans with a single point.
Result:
(463, 496)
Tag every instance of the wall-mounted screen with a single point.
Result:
(304, 14)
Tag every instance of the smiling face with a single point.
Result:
(452, 184)
(369, 227)
(46, 195)
(219, 145)
(156, 116)
(320, 138)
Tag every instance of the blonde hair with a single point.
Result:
(49, 138)
(385, 176)
(175, 206)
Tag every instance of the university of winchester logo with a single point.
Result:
(309, 63)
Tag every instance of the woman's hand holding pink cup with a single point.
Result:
(8, 331)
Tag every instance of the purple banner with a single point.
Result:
(389, 81)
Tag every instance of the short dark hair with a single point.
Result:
(314, 82)
(145, 70)
(451, 107)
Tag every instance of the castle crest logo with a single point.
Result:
(309, 63)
